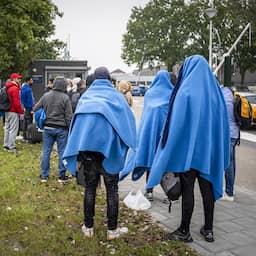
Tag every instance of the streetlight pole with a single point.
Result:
(210, 45)
(210, 12)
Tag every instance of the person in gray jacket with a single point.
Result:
(57, 107)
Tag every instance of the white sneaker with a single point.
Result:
(19, 137)
(88, 232)
(113, 234)
(227, 198)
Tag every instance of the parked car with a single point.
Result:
(139, 90)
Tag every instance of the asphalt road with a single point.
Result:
(246, 154)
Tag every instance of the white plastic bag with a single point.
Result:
(137, 201)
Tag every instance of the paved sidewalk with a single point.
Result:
(234, 222)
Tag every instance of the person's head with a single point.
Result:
(60, 84)
(69, 85)
(173, 78)
(75, 81)
(15, 77)
(89, 80)
(29, 80)
(123, 86)
(81, 85)
(113, 81)
(102, 73)
(50, 83)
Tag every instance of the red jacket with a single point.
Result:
(13, 91)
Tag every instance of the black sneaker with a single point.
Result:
(177, 235)
(149, 196)
(63, 179)
(207, 234)
(43, 180)
(6, 148)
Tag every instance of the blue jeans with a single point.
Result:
(59, 135)
(231, 171)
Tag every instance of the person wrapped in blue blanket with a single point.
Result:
(194, 143)
(102, 130)
(151, 124)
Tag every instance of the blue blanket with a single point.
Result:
(198, 131)
(152, 120)
(103, 122)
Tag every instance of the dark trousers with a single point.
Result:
(92, 164)
(187, 186)
(28, 119)
(149, 190)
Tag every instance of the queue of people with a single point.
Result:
(184, 129)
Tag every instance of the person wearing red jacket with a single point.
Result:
(14, 113)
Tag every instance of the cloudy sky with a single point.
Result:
(95, 29)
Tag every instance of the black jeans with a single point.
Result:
(92, 164)
(149, 190)
(187, 185)
(28, 119)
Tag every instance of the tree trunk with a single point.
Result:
(242, 73)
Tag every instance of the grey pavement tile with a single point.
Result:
(250, 233)
(244, 199)
(229, 226)
(248, 222)
(219, 233)
(240, 212)
(222, 216)
(227, 205)
(225, 253)
(248, 250)
(158, 216)
(171, 224)
(219, 245)
(239, 238)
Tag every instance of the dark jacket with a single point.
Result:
(47, 89)
(57, 106)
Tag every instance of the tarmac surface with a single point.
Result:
(234, 224)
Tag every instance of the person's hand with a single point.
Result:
(21, 116)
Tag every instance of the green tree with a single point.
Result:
(26, 26)
(169, 30)
(154, 34)
(243, 12)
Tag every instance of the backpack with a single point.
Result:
(40, 117)
(4, 100)
(242, 111)
(171, 185)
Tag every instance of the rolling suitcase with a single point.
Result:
(33, 135)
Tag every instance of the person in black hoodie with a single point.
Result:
(57, 107)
